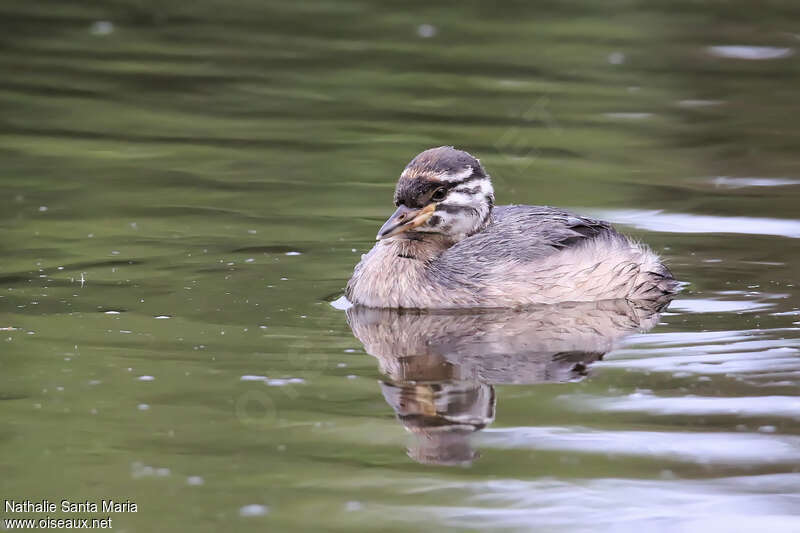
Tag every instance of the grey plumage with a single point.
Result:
(471, 254)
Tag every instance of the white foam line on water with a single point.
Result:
(699, 305)
(743, 354)
(658, 220)
(734, 363)
(771, 406)
(759, 355)
(696, 337)
(755, 348)
(728, 182)
(692, 345)
(682, 338)
(732, 504)
(753, 53)
(694, 447)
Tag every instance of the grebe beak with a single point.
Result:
(405, 219)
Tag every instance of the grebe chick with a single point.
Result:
(448, 246)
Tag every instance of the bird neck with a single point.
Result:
(420, 247)
(396, 273)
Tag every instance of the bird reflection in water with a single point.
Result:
(441, 367)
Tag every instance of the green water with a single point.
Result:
(185, 191)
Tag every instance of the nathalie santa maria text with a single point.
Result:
(67, 506)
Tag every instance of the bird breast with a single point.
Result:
(397, 273)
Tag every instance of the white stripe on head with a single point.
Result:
(475, 200)
(457, 176)
(470, 193)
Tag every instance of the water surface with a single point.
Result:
(187, 186)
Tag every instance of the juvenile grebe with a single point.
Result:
(447, 246)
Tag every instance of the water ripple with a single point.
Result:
(694, 447)
(739, 183)
(743, 406)
(731, 504)
(752, 53)
(658, 220)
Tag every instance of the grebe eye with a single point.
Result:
(439, 194)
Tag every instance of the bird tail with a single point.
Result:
(654, 280)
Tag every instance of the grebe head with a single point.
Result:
(442, 191)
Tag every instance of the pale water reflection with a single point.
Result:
(733, 504)
(750, 52)
(691, 223)
(740, 183)
(442, 367)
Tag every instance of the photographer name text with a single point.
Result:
(67, 506)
